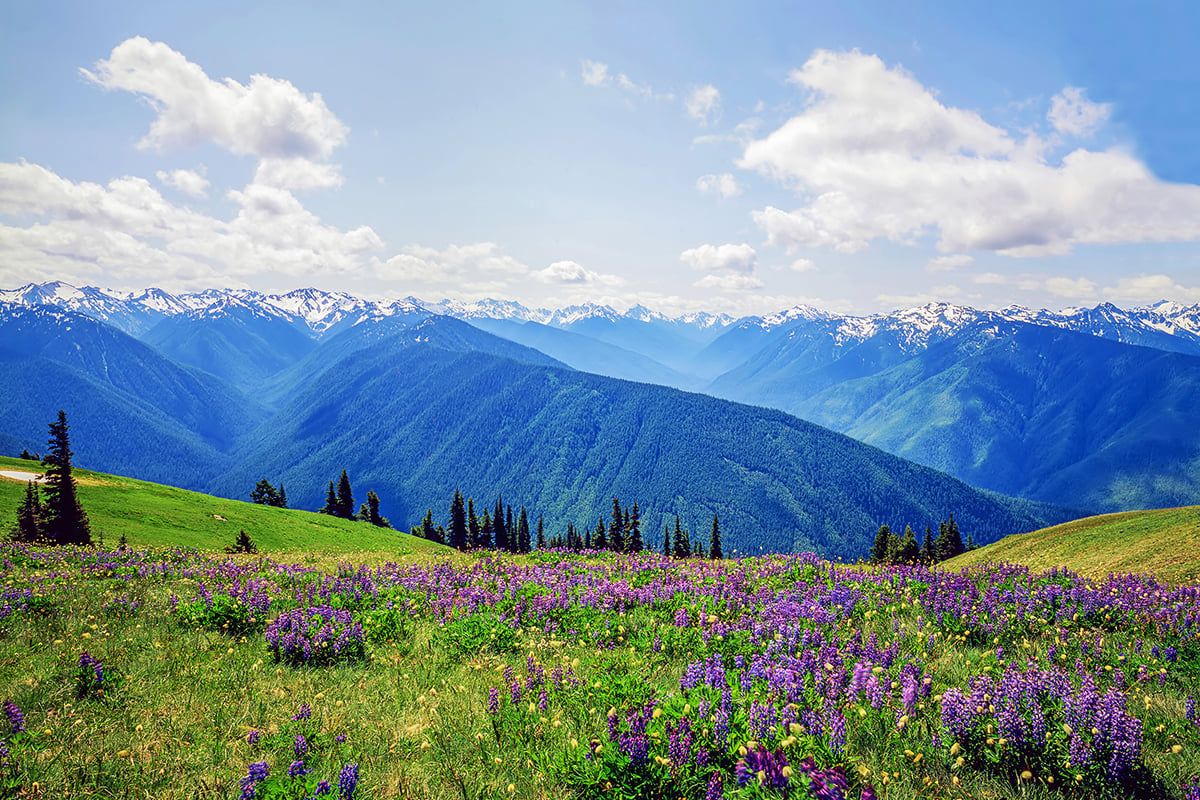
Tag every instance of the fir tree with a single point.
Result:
(28, 456)
(30, 520)
(907, 550)
(345, 497)
(65, 520)
(572, 537)
(331, 502)
(616, 528)
(697, 548)
(242, 544)
(523, 544)
(714, 541)
(427, 529)
(264, 494)
(682, 545)
(282, 497)
(949, 543)
(370, 511)
(541, 536)
(599, 538)
(486, 529)
(667, 550)
(474, 530)
(879, 551)
(636, 545)
(458, 522)
(501, 530)
(927, 556)
(511, 526)
(587, 539)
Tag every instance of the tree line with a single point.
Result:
(892, 549)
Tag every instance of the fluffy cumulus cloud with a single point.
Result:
(570, 273)
(724, 184)
(802, 265)
(737, 258)
(428, 264)
(704, 104)
(267, 117)
(190, 182)
(875, 155)
(125, 231)
(1072, 113)
(734, 281)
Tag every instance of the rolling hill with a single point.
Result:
(1161, 541)
(165, 516)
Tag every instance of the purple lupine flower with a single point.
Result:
(252, 738)
(493, 701)
(1191, 789)
(300, 746)
(347, 781)
(16, 719)
(715, 792)
(340, 738)
(256, 774)
(323, 789)
(304, 713)
(762, 765)
(297, 769)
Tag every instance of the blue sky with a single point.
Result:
(740, 157)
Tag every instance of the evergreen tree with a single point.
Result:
(427, 530)
(29, 517)
(970, 545)
(541, 536)
(682, 544)
(927, 556)
(65, 520)
(486, 529)
(572, 537)
(949, 542)
(458, 522)
(282, 497)
(345, 497)
(474, 530)
(697, 548)
(511, 526)
(667, 550)
(616, 528)
(879, 551)
(587, 539)
(331, 502)
(242, 544)
(714, 541)
(907, 551)
(523, 532)
(439, 534)
(501, 530)
(264, 494)
(636, 545)
(28, 456)
(599, 539)
(370, 511)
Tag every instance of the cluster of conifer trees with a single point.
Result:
(892, 549)
(54, 516)
(502, 529)
(339, 501)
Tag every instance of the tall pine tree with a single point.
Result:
(458, 522)
(636, 545)
(879, 550)
(474, 530)
(714, 541)
(501, 530)
(523, 532)
(541, 535)
(600, 538)
(331, 501)
(682, 547)
(30, 521)
(616, 528)
(65, 520)
(345, 497)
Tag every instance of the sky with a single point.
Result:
(738, 157)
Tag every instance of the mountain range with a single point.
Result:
(1085, 409)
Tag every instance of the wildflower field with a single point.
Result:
(172, 673)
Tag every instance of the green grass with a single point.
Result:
(150, 514)
(1165, 542)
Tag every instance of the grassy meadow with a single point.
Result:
(411, 671)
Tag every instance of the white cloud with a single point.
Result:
(191, 183)
(742, 133)
(1070, 287)
(625, 83)
(419, 263)
(704, 103)
(571, 273)
(1143, 288)
(948, 263)
(298, 174)
(934, 295)
(724, 184)
(266, 117)
(594, 73)
(802, 265)
(1072, 113)
(737, 258)
(875, 155)
(734, 281)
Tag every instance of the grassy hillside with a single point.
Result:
(1162, 541)
(153, 514)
